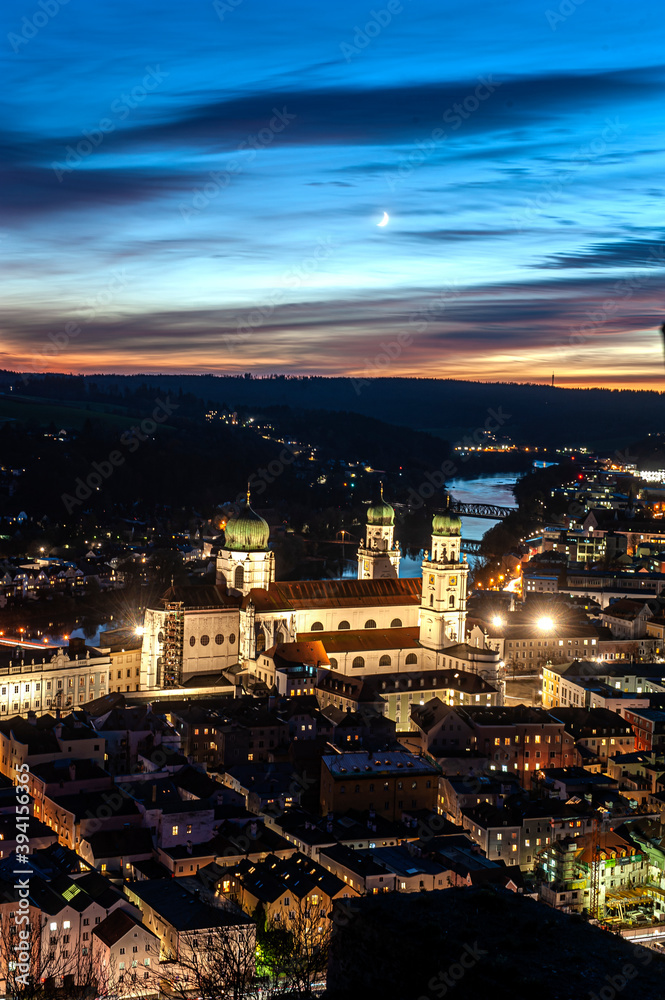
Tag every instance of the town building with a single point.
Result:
(648, 727)
(124, 954)
(39, 678)
(517, 739)
(570, 866)
(567, 684)
(184, 923)
(389, 782)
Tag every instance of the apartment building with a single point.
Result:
(183, 922)
(44, 739)
(519, 740)
(389, 782)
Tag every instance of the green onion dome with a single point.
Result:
(246, 531)
(381, 512)
(447, 523)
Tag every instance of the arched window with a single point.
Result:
(396, 623)
(411, 658)
(333, 663)
(260, 640)
(385, 661)
(431, 600)
(281, 637)
(358, 662)
(317, 627)
(343, 625)
(239, 577)
(451, 601)
(370, 623)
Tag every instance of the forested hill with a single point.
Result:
(528, 414)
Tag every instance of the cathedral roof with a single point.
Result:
(315, 594)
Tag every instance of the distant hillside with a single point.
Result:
(453, 410)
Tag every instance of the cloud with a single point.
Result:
(523, 325)
(624, 253)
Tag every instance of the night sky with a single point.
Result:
(196, 187)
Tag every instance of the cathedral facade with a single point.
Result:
(377, 623)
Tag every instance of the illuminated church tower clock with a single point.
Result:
(443, 604)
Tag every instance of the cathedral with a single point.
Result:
(379, 623)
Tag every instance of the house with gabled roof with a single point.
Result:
(124, 953)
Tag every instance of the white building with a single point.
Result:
(42, 678)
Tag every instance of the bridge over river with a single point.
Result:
(488, 510)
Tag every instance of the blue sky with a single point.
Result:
(196, 187)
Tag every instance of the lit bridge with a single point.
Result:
(470, 547)
(488, 510)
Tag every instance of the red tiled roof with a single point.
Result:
(365, 639)
(311, 653)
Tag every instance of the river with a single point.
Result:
(494, 489)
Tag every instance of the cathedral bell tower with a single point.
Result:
(443, 603)
(245, 561)
(379, 557)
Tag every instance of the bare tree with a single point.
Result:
(36, 965)
(113, 983)
(218, 964)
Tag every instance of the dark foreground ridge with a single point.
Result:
(481, 942)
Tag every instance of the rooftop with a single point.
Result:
(384, 762)
(119, 923)
(181, 908)
(366, 639)
(318, 594)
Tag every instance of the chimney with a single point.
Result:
(189, 847)
(253, 828)
(57, 729)
(76, 647)
(32, 717)
(72, 770)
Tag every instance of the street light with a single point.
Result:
(545, 623)
(497, 621)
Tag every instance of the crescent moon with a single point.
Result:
(384, 220)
